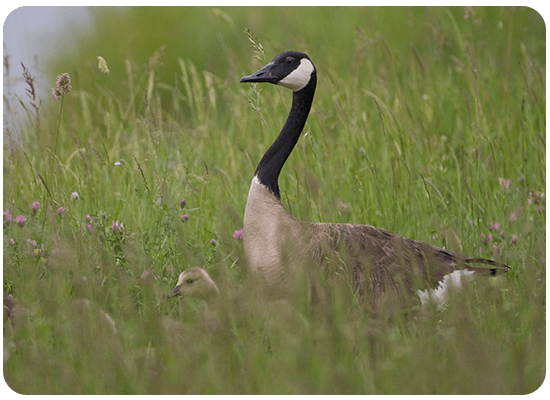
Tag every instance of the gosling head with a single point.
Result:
(195, 282)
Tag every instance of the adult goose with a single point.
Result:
(281, 248)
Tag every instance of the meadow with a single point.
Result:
(428, 122)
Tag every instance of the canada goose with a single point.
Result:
(14, 312)
(83, 311)
(277, 245)
(222, 310)
(195, 282)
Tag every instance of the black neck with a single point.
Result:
(273, 160)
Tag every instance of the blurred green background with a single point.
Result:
(213, 38)
(429, 122)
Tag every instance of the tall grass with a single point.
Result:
(437, 137)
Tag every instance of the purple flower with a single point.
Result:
(117, 226)
(148, 275)
(494, 227)
(31, 242)
(185, 217)
(88, 218)
(20, 220)
(74, 196)
(490, 238)
(514, 239)
(90, 227)
(505, 183)
(214, 242)
(35, 206)
(238, 234)
(483, 239)
(12, 240)
(60, 211)
(183, 203)
(513, 216)
(7, 218)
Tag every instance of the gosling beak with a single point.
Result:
(175, 292)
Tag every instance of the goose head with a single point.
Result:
(195, 282)
(290, 69)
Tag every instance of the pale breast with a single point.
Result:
(271, 235)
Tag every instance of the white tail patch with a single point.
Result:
(440, 295)
(299, 78)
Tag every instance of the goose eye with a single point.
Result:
(189, 281)
(289, 60)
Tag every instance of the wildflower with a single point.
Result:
(118, 163)
(31, 242)
(490, 238)
(74, 196)
(185, 217)
(90, 227)
(483, 239)
(505, 183)
(35, 206)
(62, 86)
(238, 234)
(214, 242)
(494, 227)
(514, 239)
(88, 218)
(540, 209)
(60, 211)
(117, 226)
(12, 240)
(148, 274)
(344, 208)
(20, 220)
(534, 197)
(469, 12)
(513, 216)
(103, 65)
(7, 218)
(183, 203)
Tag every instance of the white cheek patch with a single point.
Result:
(299, 78)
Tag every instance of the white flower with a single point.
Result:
(103, 65)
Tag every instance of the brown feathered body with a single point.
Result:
(283, 251)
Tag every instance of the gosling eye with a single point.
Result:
(289, 60)
(189, 281)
